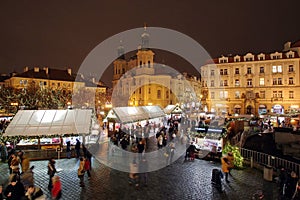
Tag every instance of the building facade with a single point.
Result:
(254, 84)
(139, 81)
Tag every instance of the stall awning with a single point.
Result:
(172, 109)
(135, 114)
(49, 122)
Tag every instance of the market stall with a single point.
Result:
(128, 115)
(48, 129)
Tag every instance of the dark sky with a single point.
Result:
(60, 34)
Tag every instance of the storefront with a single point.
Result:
(277, 109)
(262, 109)
(173, 111)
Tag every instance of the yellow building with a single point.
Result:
(139, 81)
(254, 84)
(57, 79)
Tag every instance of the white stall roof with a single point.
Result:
(135, 114)
(49, 122)
(172, 109)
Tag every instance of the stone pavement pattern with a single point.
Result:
(179, 181)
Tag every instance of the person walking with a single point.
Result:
(81, 171)
(225, 167)
(51, 172)
(68, 150)
(87, 167)
(291, 185)
(34, 193)
(77, 148)
(14, 190)
(230, 158)
(56, 192)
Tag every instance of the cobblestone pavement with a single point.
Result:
(181, 180)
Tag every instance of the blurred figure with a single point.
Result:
(15, 190)
(77, 148)
(27, 178)
(80, 172)
(51, 171)
(68, 150)
(24, 161)
(291, 185)
(56, 190)
(225, 167)
(34, 193)
(230, 158)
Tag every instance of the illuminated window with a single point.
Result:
(277, 69)
(237, 94)
(237, 82)
(261, 81)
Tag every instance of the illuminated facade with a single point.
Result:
(254, 84)
(140, 81)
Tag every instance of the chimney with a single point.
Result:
(70, 71)
(36, 69)
(46, 70)
(25, 69)
(287, 46)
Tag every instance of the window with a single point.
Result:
(249, 70)
(221, 83)
(291, 81)
(237, 71)
(262, 94)
(237, 82)
(221, 71)
(158, 94)
(291, 94)
(212, 83)
(261, 70)
(274, 81)
(225, 72)
(249, 59)
(249, 82)
(237, 94)
(167, 94)
(277, 69)
(149, 90)
(212, 95)
(274, 94)
(140, 91)
(261, 81)
(21, 82)
(291, 68)
(279, 81)
(279, 94)
(212, 72)
(223, 94)
(237, 60)
(225, 83)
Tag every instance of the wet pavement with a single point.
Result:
(180, 180)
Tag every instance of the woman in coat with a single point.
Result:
(81, 171)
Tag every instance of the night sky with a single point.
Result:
(60, 34)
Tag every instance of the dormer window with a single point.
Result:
(223, 59)
(237, 58)
(290, 54)
(276, 55)
(249, 57)
(261, 56)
